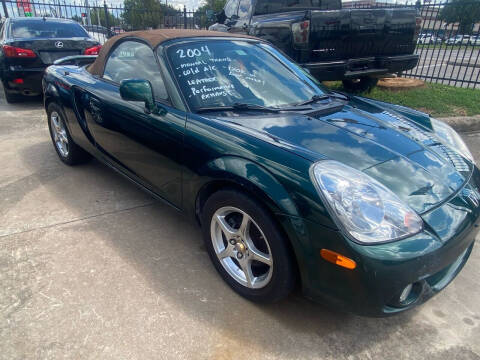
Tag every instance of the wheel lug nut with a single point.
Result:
(239, 255)
(232, 241)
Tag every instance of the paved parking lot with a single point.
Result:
(449, 62)
(93, 268)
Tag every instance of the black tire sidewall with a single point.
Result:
(283, 276)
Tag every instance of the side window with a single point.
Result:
(231, 8)
(245, 9)
(135, 60)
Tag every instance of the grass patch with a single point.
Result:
(435, 99)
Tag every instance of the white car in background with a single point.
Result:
(426, 39)
(458, 40)
(475, 40)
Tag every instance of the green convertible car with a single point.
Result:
(367, 206)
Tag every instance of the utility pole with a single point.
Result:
(89, 20)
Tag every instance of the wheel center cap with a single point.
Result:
(240, 248)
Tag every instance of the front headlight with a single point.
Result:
(451, 138)
(366, 209)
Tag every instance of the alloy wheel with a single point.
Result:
(59, 134)
(241, 247)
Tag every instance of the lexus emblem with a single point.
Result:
(59, 44)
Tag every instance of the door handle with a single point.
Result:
(96, 110)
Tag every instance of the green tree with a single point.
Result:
(464, 12)
(95, 15)
(208, 6)
(143, 14)
(77, 18)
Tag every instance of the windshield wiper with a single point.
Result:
(238, 106)
(316, 98)
(313, 99)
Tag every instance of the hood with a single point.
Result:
(403, 154)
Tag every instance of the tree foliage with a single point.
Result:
(144, 14)
(97, 13)
(464, 12)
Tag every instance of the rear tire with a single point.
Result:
(247, 248)
(69, 152)
(364, 83)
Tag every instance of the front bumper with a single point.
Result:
(354, 68)
(32, 80)
(429, 260)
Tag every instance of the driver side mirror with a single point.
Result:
(138, 90)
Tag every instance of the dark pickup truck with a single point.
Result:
(353, 45)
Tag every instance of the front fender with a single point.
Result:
(256, 179)
(262, 184)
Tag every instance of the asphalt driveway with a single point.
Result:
(93, 268)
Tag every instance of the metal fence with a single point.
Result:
(449, 41)
(448, 45)
(449, 51)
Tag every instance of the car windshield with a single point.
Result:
(44, 29)
(222, 73)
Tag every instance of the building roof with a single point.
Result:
(154, 38)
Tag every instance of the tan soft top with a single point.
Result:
(153, 37)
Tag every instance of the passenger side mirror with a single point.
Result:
(138, 90)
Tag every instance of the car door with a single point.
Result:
(148, 146)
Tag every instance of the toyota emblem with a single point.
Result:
(59, 44)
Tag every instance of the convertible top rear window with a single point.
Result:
(225, 72)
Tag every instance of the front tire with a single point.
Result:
(69, 152)
(364, 83)
(246, 247)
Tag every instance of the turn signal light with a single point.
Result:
(16, 52)
(338, 259)
(94, 50)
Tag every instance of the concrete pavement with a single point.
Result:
(93, 268)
